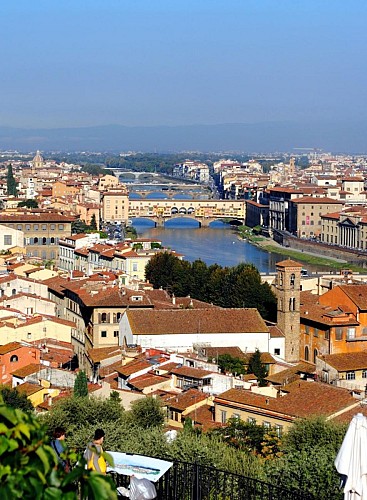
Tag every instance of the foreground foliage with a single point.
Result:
(302, 459)
(29, 466)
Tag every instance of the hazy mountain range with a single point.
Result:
(254, 137)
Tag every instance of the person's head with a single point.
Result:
(59, 433)
(98, 436)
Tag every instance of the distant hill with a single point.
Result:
(254, 137)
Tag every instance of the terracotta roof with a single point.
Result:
(133, 367)
(275, 332)
(288, 263)
(311, 310)
(308, 200)
(213, 320)
(11, 346)
(290, 374)
(357, 293)
(147, 380)
(204, 417)
(214, 352)
(303, 400)
(347, 361)
(28, 388)
(99, 354)
(187, 371)
(27, 370)
(168, 366)
(34, 217)
(186, 399)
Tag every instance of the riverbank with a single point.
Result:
(304, 256)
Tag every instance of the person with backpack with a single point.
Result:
(93, 454)
(59, 447)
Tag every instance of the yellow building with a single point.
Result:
(115, 206)
(37, 394)
(16, 329)
(299, 399)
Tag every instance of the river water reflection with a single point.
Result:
(218, 243)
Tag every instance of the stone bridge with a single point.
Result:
(203, 211)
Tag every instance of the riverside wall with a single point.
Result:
(321, 249)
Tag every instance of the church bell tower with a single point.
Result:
(288, 289)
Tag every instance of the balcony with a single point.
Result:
(187, 481)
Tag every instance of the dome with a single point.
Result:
(38, 158)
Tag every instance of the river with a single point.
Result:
(217, 244)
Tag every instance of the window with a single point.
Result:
(14, 291)
(327, 335)
(116, 333)
(277, 351)
(267, 425)
(350, 375)
(307, 329)
(135, 266)
(293, 279)
(52, 227)
(339, 333)
(307, 354)
(316, 332)
(315, 354)
(237, 416)
(29, 336)
(35, 227)
(351, 333)
(292, 304)
(27, 227)
(14, 358)
(279, 430)
(251, 420)
(44, 241)
(35, 241)
(61, 227)
(44, 227)
(364, 373)
(223, 416)
(104, 317)
(19, 227)
(8, 239)
(103, 334)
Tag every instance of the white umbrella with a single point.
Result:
(351, 460)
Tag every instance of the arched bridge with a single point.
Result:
(204, 211)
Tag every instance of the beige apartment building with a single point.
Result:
(42, 230)
(115, 206)
(305, 215)
(346, 229)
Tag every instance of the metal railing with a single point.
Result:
(188, 481)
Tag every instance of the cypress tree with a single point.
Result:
(10, 182)
(81, 385)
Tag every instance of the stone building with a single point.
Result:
(287, 289)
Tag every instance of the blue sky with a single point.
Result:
(173, 62)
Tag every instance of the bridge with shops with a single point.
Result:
(203, 211)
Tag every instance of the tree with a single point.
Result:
(28, 203)
(147, 413)
(231, 364)
(15, 398)
(258, 368)
(10, 182)
(81, 385)
(242, 435)
(28, 465)
(93, 223)
(79, 226)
